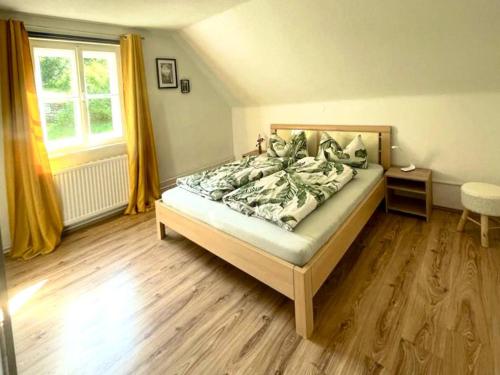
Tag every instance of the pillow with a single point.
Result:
(295, 148)
(327, 148)
(354, 154)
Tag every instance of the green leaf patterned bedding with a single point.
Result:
(295, 148)
(287, 197)
(216, 182)
(354, 154)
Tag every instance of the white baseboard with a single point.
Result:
(447, 194)
(90, 221)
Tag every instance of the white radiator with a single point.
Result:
(92, 189)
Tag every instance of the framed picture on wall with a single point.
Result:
(185, 86)
(167, 73)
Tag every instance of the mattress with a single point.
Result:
(296, 247)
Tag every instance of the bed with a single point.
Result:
(296, 263)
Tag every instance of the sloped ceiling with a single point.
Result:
(169, 14)
(278, 51)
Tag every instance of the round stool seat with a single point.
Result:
(481, 198)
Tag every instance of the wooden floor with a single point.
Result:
(409, 297)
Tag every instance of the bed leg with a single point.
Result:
(160, 230)
(160, 227)
(303, 298)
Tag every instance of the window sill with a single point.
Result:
(67, 159)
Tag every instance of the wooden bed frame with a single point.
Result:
(297, 283)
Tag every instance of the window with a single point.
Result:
(79, 94)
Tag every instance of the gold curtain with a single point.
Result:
(143, 165)
(34, 215)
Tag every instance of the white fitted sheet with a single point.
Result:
(296, 247)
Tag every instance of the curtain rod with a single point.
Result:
(71, 34)
(74, 38)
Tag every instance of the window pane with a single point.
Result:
(100, 116)
(101, 76)
(60, 120)
(55, 72)
(96, 75)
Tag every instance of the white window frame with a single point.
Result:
(88, 142)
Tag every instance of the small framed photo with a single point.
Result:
(185, 87)
(167, 73)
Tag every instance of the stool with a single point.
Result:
(483, 199)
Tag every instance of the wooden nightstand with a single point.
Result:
(253, 153)
(409, 192)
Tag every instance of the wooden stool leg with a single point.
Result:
(463, 220)
(484, 231)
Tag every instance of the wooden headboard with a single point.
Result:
(383, 131)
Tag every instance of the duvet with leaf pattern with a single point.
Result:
(216, 182)
(286, 197)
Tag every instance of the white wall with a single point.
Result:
(192, 130)
(458, 136)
